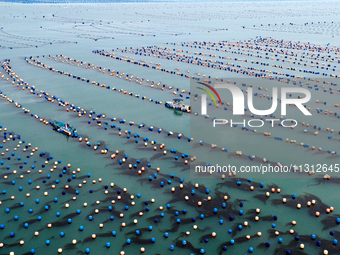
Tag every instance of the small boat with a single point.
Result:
(63, 128)
(178, 105)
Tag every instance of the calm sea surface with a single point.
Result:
(44, 32)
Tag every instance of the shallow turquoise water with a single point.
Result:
(170, 23)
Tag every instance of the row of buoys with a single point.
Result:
(43, 121)
(331, 91)
(201, 61)
(308, 28)
(125, 92)
(257, 44)
(111, 72)
(27, 38)
(272, 58)
(104, 86)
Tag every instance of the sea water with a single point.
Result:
(75, 30)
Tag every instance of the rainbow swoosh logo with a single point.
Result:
(209, 93)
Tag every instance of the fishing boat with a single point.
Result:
(177, 104)
(63, 128)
